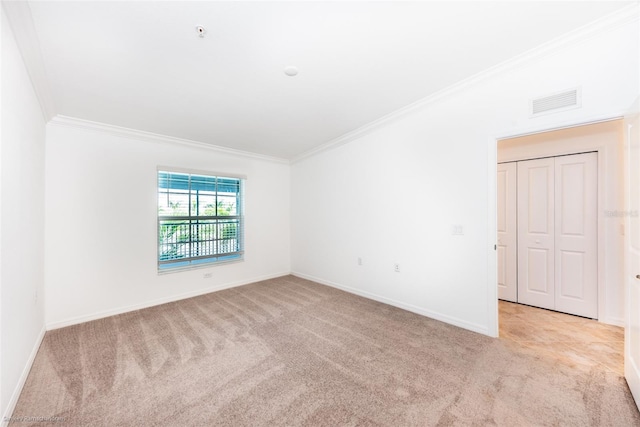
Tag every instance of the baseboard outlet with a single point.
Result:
(108, 313)
(409, 307)
(8, 413)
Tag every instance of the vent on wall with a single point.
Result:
(562, 101)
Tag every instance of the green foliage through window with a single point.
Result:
(200, 219)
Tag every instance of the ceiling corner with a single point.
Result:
(19, 16)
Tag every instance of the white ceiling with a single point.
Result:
(141, 64)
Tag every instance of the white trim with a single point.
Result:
(492, 233)
(551, 127)
(615, 321)
(631, 371)
(631, 374)
(19, 16)
(140, 135)
(112, 312)
(2, 13)
(474, 327)
(23, 378)
(602, 157)
(200, 172)
(169, 270)
(609, 22)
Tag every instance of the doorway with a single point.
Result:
(565, 337)
(604, 141)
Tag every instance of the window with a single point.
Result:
(200, 219)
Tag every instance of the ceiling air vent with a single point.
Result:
(555, 103)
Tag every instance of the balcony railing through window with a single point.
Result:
(183, 238)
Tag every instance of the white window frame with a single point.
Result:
(198, 252)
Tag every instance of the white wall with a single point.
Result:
(21, 222)
(393, 194)
(101, 229)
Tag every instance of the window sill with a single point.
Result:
(198, 266)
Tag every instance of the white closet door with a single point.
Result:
(536, 232)
(576, 257)
(507, 233)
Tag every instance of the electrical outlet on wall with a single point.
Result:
(359, 261)
(207, 275)
(396, 267)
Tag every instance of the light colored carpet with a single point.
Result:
(288, 352)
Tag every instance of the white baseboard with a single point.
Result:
(412, 308)
(23, 378)
(120, 310)
(613, 321)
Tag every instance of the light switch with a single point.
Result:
(457, 230)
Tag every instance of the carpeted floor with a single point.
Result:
(288, 352)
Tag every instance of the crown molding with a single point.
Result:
(21, 22)
(140, 135)
(605, 24)
(19, 16)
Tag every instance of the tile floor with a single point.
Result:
(579, 342)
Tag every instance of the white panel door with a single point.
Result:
(632, 251)
(536, 232)
(576, 239)
(507, 233)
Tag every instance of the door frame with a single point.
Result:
(492, 261)
(631, 369)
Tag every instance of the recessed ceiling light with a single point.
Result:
(291, 71)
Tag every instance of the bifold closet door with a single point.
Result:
(576, 258)
(536, 233)
(507, 232)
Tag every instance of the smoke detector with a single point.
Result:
(291, 71)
